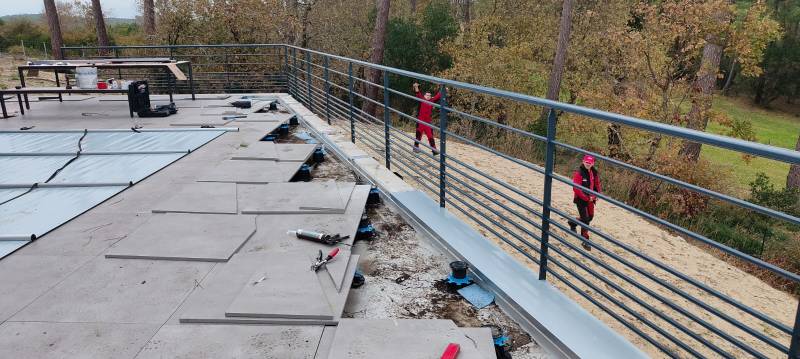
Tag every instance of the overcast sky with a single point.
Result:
(111, 8)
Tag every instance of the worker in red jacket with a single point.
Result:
(425, 110)
(585, 176)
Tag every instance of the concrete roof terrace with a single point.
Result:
(122, 281)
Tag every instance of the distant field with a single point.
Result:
(771, 127)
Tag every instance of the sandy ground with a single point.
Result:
(640, 235)
(404, 275)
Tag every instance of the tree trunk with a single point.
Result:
(731, 75)
(378, 42)
(466, 8)
(149, 15)
(100, 24)
(793, 179)
(554, 84)
(304, 36)
(413, 7)
(56, 41)
(703, 89)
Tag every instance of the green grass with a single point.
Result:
(771, 127)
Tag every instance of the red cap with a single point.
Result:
(588, 159)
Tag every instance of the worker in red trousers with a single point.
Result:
(424, 115)
(585, 176)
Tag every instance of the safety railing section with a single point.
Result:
(511, 200)
(215, 68)
(671, 311)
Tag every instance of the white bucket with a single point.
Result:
(86, 77)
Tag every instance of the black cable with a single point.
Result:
(80, 149)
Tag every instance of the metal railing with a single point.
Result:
(216, 68)
(671, 311)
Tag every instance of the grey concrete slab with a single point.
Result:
(266, 117)
(186, 237)
(208, 302)
(483, 340)
(259, 150)
(86, 235)
(73, 340)
(274, 237)
(343, 189)
(200, 197)
(293, 198)
(399, 338)
(325, 342)
(26, 277)
(295, 151)
(252, 172)
(282, 287)
(117, 291)
(271, 231)
(232, 341)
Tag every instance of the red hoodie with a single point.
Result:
(586, 178)
(425, 109)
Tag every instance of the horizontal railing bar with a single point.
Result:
(498, 153)
(757, 149)
(490, 229)
(768, 266)
(672, 271)
(624, 307)
(767, 211)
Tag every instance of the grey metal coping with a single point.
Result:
(555, 321)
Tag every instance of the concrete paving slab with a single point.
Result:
(73, 340)
(233, 341)
(343, 189)
(200, 197)
(87, 235)
(186, 237)
(259, 150)
(252, 172)
(293, 198)
(399, 338)
(295, 151)
(271, 231)
(27, 277)
(117, 291)
(283, 287)
(483, 340)
(208, 302)
(325, 342)
(266, 117)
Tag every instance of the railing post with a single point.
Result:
(308, 81)
(548, 188)
(442, 145)
(226, 68)
(794, 346)
(386, 120)
(350, 97)
(285, 72)
(294, 71)
(116, 55)
(327, 93)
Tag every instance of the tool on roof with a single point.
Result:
(451, 352)
(321, 262)
(318, 237)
